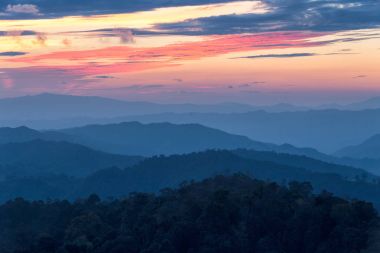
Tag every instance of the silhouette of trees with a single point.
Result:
(222, 215)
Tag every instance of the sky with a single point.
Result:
(210, 51)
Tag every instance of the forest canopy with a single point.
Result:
(222, 214)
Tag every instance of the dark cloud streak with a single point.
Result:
(61, 8)
(276, 56)
(12, 53)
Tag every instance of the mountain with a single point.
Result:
(153, 174)
(25, 134)
(301, 161)
(134, 138)
(369, 149)
(36, 109)
(18, 134)
(324, 130)
(151, 139)
(372, 103)
(157, 173)
(55, 106)
(50, 157)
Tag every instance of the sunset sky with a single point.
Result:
(206, 51)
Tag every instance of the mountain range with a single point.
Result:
(129, 140)
(40, 157)
(156, 173)
(134, 138)
(49, 106)
(58, 110)
(369, 149)
(326, 130)
(137, 139)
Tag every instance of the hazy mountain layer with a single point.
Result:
(369, 149)
(133, 138)
(48, 157)
(53, 106)
(325, 130)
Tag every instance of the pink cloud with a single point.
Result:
(216, 45)
(126, 59)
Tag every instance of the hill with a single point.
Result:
(44, 111)
(49, 157)
(324, 130)
(301, 161)
(372, 103)
(369, 149)
(57, 106)
(154, 174)
(25, 134)
(134, 138)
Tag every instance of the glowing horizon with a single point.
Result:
(242, 51)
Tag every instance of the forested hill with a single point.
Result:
(223, 214)
(154, 174)
(151, 175)
(37, 157)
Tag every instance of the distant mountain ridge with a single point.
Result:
(159, 138)
(134, 138)
(369, 149)
(49, 106)
(372, 103)
(324, 130)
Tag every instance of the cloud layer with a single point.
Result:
(287, 15)
(61, 8)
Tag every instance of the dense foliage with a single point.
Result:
(224, 214)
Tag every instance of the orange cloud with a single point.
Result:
(78, 65)
(215, 46)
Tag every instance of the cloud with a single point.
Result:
(287, 15)
(104, 77)
(143, 87)
(251, 84)
(276, 56)
(125, 35)
(63, 8)
(23, 11)
(103, 62)
(186, 51)
(359, 76)
(66, 42)
(17, 33)
(41, 39)
(12, 53)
